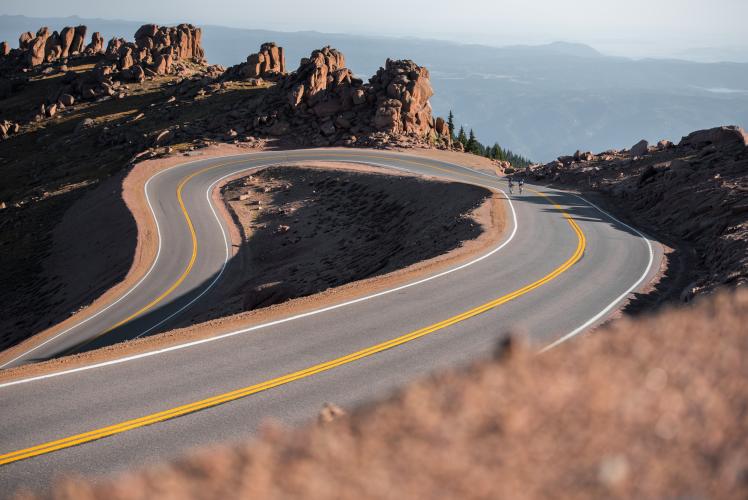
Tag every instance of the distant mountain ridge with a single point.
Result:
(539, 101)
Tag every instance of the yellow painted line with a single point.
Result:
(184, 274)
(153, 418)
(191, 228)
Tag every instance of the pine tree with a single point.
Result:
(451, 124)
(495, 151)
(472, 143)
(462, 138)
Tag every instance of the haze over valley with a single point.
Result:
(539, 101)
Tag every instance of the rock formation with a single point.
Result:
(157, 51)
(323, 102)
(268, 64)
(96, 46)
(155, 48)
(403, 90)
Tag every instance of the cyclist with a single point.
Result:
(521, 184)
(511, 185)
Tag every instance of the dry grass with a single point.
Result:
(649, 408)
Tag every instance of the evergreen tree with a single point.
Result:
(451, 124)
(462, 138)
(495, 152)
(472, 143)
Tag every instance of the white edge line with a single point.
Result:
(132, 289)
(618, 299)
(290, 318)
(225, 259)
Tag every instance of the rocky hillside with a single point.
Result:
(321, 103)
(694, 193)
(76, 113)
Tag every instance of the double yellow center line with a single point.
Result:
(178, 411)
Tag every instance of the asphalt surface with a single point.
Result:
(39, 411)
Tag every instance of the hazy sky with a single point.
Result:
(625, 27)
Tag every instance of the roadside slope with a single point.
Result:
(694, 194)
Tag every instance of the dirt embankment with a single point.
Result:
(48, 285)
(656, 408)
(306, 230)
(694, 195)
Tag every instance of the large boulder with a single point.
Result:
(719, 136)
(126, 60)
(36, 48)
(97, 44)
(315, 73)
(79, 40)
(66, 40)
(25, 40)
(269, 64)
(52, 47)
(4, 49)
(184, 42)
(409, 84)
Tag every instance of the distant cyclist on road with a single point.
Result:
(521, 184)
(511, 184)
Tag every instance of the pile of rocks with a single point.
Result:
(154, 51)
(47, 47)
(155, 48)
(324, 103)
(695, 192)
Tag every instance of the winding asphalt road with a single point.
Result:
(562, 267)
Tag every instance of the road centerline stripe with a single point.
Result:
(171, 413)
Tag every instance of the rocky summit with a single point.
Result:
(321, 103)
(154, 48)
(324, 103)
(156, 51)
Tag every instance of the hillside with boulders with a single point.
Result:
(110, 104)
(693, 194)
(123, 101)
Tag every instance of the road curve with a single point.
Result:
(562, 267)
